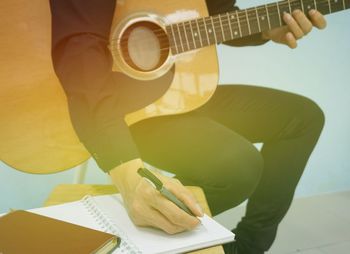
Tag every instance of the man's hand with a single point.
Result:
(147, 207)
(298, 25)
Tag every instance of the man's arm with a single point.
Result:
(83, 64)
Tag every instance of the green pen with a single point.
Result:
(165, 192)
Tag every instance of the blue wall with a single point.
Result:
(319, 68)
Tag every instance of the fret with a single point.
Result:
(344, 6)
(315, 4)
(176, 39)
(222, 28)
(253, 21)
(229, 27)
(302, 6)
(244, 23)
(194, 35)
(289, 6)
(239, 24)
(186, 37)
(309, 5)
(296, 5)
(323, 6)
(172, 42)
(203, 32)
(263, 21)
(234, 25)
(213, 27)
(279, 14)
(268, 16)
(199, 33)
(274, 18)
(189, 35)
(329, 5)
(181, 35)
(229, 24)
(206, 31)
(336, 5)
(246, 15)
(257, 18)
(283, 8)
(210, 31)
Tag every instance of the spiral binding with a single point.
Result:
(108, 226)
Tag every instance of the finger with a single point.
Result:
(291, 41)
(293, 26)
(175, 214)
(157, 220)
(317, 19)
(304, 23)
(183, 194)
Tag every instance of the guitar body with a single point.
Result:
(35, 131)
(195, 74)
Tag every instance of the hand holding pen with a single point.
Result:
(157, 183)
(153, 205)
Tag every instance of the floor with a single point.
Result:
(314, 225)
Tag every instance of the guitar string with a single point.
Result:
(241, 14)
(195, 42)
(184, 31)
(192, 43)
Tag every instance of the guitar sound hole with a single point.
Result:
(144, 46)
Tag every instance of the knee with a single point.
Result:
(313, 115)
(237, 179)
(247, 168)
(243, 171)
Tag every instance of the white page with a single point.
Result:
(150, 240)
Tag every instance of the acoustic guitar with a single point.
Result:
(166, 50)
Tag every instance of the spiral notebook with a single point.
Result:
(107, 213)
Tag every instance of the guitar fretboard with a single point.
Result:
(202, 32)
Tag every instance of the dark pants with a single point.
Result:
(212, 146)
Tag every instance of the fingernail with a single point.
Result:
(287, 16)
(199, 208)
(289, 36)
(312, 12)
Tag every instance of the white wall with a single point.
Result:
(319, 69)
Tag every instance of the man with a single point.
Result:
(210, 147)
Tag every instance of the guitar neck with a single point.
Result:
(202, 32)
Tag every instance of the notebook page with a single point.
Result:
(150, 240)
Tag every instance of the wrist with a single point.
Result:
(125, 176)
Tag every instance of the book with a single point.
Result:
(107, 213)
(30, 233)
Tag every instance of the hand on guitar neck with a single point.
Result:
(298, 25)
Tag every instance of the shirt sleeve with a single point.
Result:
(217, 7)
(83, 64)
